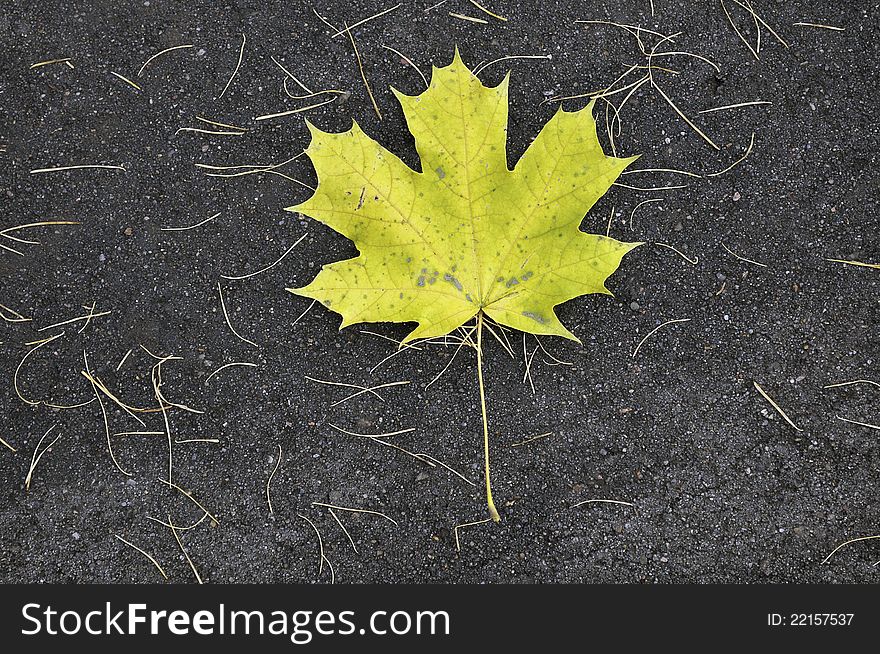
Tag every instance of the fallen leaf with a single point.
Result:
(464, 234)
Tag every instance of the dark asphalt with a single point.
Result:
(723, 490)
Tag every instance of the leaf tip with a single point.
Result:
(457, 62)
(504, 84)
(313, 129)
(564, 332)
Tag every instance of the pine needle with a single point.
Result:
(37, 345)
(842, 545)
(775, 406)
(212, 132)
(731, 252)
(321, 557)
(344, 530)
(693, 261)
(192, 499)
(269, 482)
(229, 365)
(295, 111)
(479, 69)
(861, 424)
(156, 56)
(235, 72)
(487, 12)
(352, 510)
(348, 29)
(183, 229)
(470, 19)
(643, 202)
(683, 116)
(271, 265)
(738, 32)
(226, 316)
(603, 502)
(104, 415)
(764, 23)
(38, 454)
(855, 263)
(654, 331)
(126, 80)
(146, 554)
(855, 381)
(363, 74)
(628, 28)
(10, 315)
(734, 106)
(40, 64)
(226, 125)
(820, 26)
(409, 61)
(87, 317)
(738, 161)
(532, 439)
(292, 76)
(183, 549)
(78, 167)
(462, 526)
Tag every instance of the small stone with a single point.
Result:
(736, 196)
(635, 306)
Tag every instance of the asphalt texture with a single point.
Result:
(722, 489)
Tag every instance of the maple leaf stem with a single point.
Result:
(493, 512)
